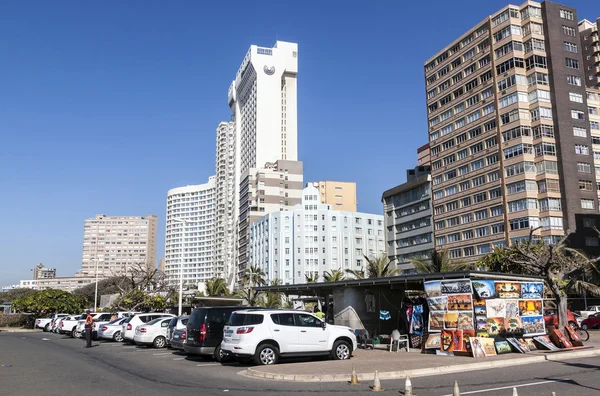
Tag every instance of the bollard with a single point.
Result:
(553, 393)
(376, 384)
(515, 392)
(354, 377)
(408, 387)
(456, 391)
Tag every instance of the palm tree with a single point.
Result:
(311, 277)
(438, 261)
(357, 274)
(334, 276)
(380, 267)
(273, 299)
(254, 276)
(216, 287)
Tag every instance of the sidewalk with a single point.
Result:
(399, 365)
(18, 330)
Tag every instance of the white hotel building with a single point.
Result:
(313, 239)
(196, 206)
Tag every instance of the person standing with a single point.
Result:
(89, 322)
(318, 313)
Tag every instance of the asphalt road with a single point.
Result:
(50, 364)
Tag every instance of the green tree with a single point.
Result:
(334, 275)
(49, 301)
(380, 267)
(105, 286)
(253, 276)
(356, 274)
(273, 299)
(138, 300)
(14, 294)
(311, 277)
(438, 261)
(217, 287)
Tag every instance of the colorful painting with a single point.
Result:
(467, 335)
(477, 347)
(484, 288)
(530, 344)
(460, 302)
(433, 341)
(516, 345)
(532, 290)
(559, 339)
(512, 308)
(450, 320)
(436, 321)
(447, 341)
(465, 320)
(480, 310)
(530, 307)
(479, 303)
(432, 289)
(533, 325)
(482, 333)
(502, 347)
(575, 339)
(495, 308)
(458, 340)
(481, 322)
(513, 325)
(495, 325)
(508, 290)
(416, 324)
(439, 303)
(457, 286)
(489, 347)
(524, 345)
(546, 343)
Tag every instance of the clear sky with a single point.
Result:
(105, 106)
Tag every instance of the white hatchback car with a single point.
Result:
(128, 327)
(152, 333)
(267, 335)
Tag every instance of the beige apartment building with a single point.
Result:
(340, 195)
(509, 131)
(118, 243)
(424, 155)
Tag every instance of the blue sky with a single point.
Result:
(105, 106)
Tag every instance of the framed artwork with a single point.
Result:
(481, 322)
(456, 286)
(530, 290)
(558, 338)
(489, 348)
(458, 340)
(460, 302)
(465, 320)
(508, 290)
(467, 335)
(480, 310)
(439, 303)
(575, 339)
(482, 333)
(524, 345)
(450, 320)
(530, 307)
(515, 344)
(513, 325)
(484, 288)
(495, 325)
(432, 289)
(433, 341)
(531, 344)
(502, 347)
(546, 343)
(533, 325)
(477, 347)
(447, 341)
(436, 321)
(495, 308)
(512, 308)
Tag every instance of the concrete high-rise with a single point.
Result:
(190, 226)
(509, 131)
(590, 47)
(118, 244)
(340, 195)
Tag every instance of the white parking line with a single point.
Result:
(506, 387)
(214, 364)
(178, 358)
(161, 354)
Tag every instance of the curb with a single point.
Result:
(18, 330)
(424, 372)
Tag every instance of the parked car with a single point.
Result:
(591, 322)
(175, 324)
(178, 338)
(97, 316)
(44, 323)
(129, 325)
(590, 311)
(98, 323)
(152, 333)
(266, 335)
(68, 325)
(551, 318)
(578, 318)
(53, 327)
(111, 330)
(205, 330)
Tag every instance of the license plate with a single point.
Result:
(190, 338)
(176, 336)
(228, 332)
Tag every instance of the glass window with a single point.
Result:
(305, 320)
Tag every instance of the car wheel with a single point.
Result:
(118, 337)
(46, 328)
(266, 354)
(219, 355)
(584, 326)
(159, 342)
(75, 333)
(341, 350)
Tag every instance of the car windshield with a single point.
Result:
(82, 317)
(127, 320)
(154, 321)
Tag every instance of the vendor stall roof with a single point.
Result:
(414, 280)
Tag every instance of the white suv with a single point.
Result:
(267, 335)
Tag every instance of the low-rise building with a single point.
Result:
(340, 195)
(60, 283)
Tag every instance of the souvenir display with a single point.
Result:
(509, 290)
(495, 325)
(481, 322)
(432, 289)
(460, 302)
(436, 321)
(447, 341)
(489, 348)
(513, 325)
(495, 308)
(531, 344)
(530, 307)
(477, 347)
(502, 347)
(450, 320)
(439, 303)
(433, 341)
(516, 345)
(524, 345)
(482, 333)
(467, 335)
(416, 324)
(533, 325)
(546, 343)
(456, 286)
(512, 308)
(484, 288)
(560, 340)
(480, 310)
(575, 339)
(465, 320)
(531, 290)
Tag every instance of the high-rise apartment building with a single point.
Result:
(116, 244)
(42, 272)
(340, 195)
(407, 218)
(312, 239)
(590, 47)
(273, 188)
(424, 155)
(509, 130)
(190, 230)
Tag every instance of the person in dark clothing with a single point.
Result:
(89, 322)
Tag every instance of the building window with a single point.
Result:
(564, 14)
(581, 132)
(572, 63)
(569, 31)
(577, 115)
(574, 80)
(592, 241)
(575, 97)
(582, 149)
(584, 168)
(587, 203)
(589, 222)
(570, 47)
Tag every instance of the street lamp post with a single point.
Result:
(185, 223)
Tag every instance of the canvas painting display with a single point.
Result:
(482, 333)
(495, 325)
(480, 310)
(484, 288)
(481, 322)
(495, 308)
(524, 345)
(477, 347)
(513, 325)
(416, 324)
(530, 307)
(512, 308)
(458, 340)
(447, 341)
(559, 339)
(546, 343)
(516, 345)
(436, 321)
(489, 347)
(467, 335)
(456, 286)
(450, 320)
(531, 344)
(465, 320)
(575, 339)
(439, 303)
(432, 289)
(460, 302)
(532, 290)
(509, 290)
(502, 347)
(433, 341)
(533, 325)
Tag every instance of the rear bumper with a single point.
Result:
(177, 344)
(198, 350)
(238, 349)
